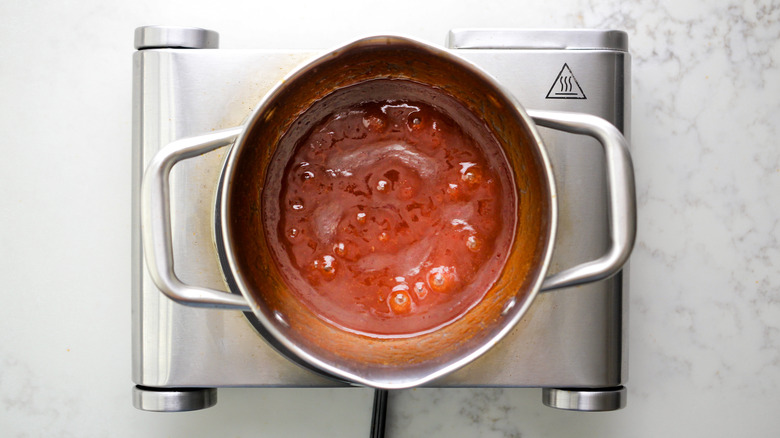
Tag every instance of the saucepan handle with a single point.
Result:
(621, 196)
(156, 222)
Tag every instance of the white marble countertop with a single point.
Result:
(705, 285)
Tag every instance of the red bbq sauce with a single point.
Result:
(392, 218)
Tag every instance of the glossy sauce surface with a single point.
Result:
(392, 220)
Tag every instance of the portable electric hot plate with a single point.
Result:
(571, 342)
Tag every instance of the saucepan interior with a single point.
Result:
(389, 362)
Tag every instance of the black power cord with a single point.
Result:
(379, 414)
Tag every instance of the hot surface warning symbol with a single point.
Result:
(565, 86)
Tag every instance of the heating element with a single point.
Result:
(571, 342)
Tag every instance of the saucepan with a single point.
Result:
(255, 282)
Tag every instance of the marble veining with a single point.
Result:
(708, 177)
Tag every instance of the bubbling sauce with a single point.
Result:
(392, 219)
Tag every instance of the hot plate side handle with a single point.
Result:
(621, 195)
(156, 222)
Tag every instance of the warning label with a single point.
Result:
(565, 86)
